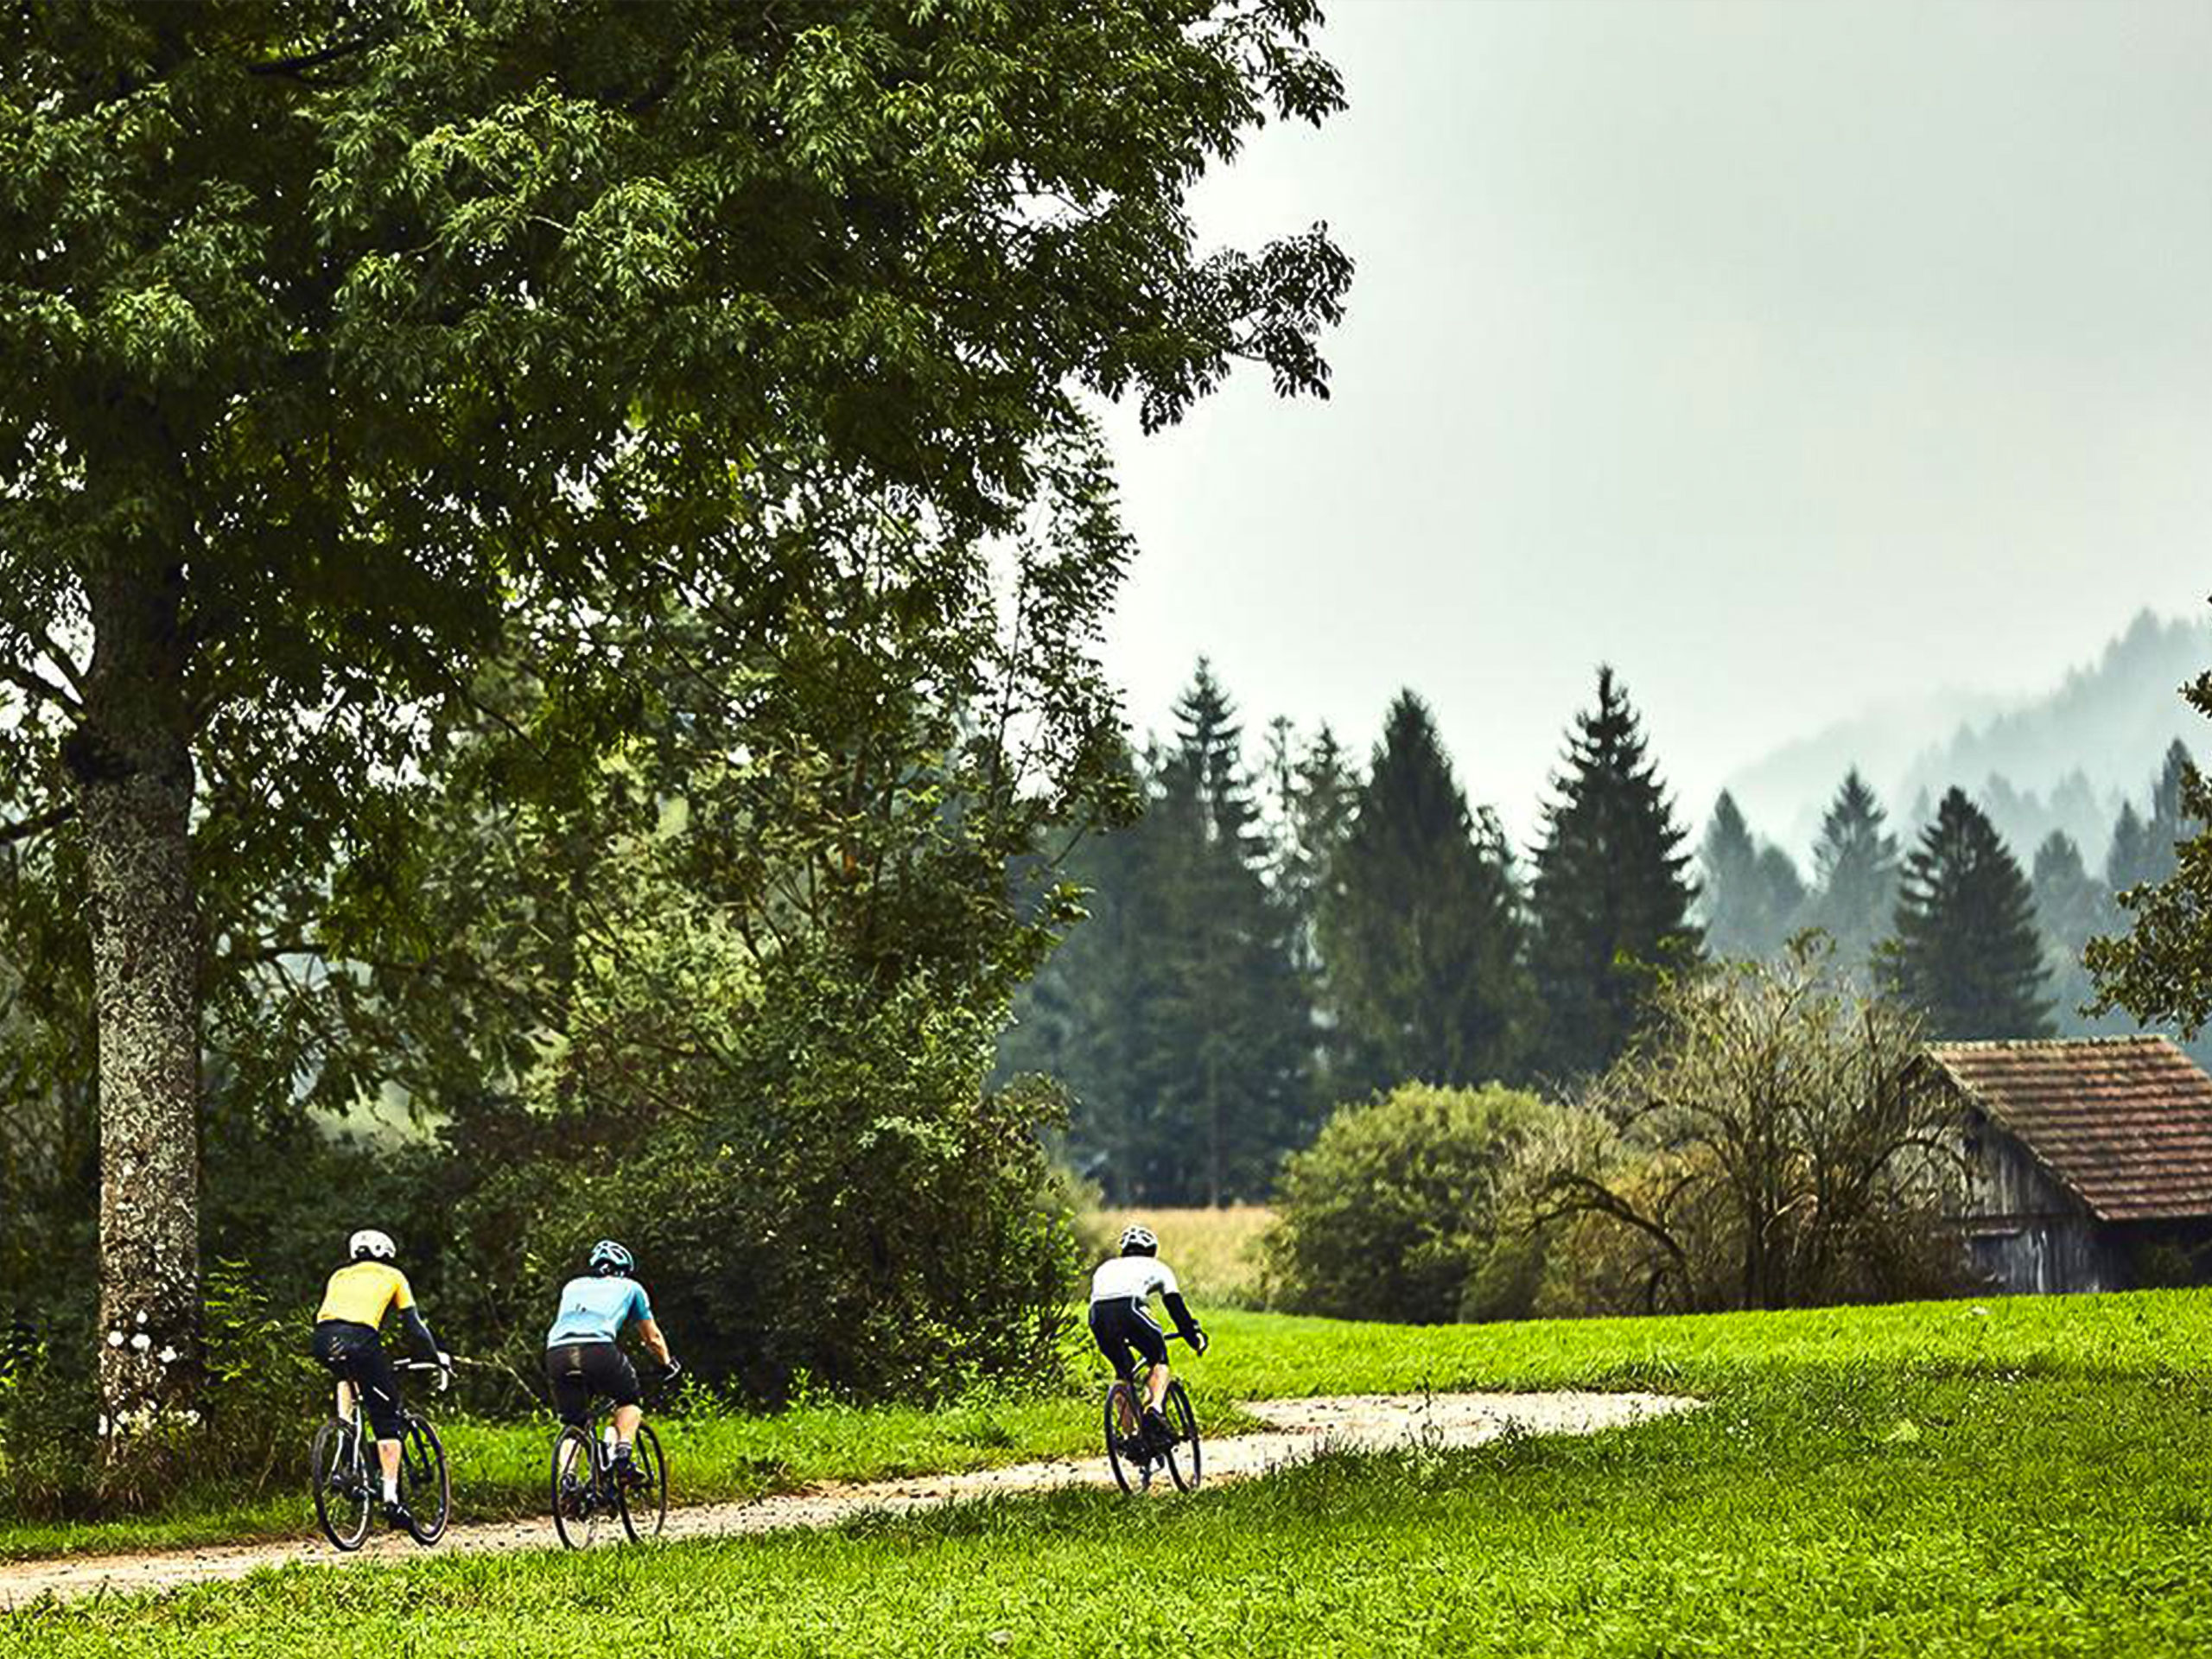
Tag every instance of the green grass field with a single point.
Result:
(2032, 1477)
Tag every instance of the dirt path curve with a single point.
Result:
(1298, 1429)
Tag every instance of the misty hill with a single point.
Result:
(2065, 760)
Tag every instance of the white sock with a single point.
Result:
(391, 1488)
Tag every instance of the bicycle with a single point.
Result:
(1129, 1449)
(347, 1477)
(580, 1501)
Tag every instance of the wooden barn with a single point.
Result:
(2091, 1162)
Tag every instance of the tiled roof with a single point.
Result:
(2124, 1122)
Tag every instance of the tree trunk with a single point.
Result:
(131, 762)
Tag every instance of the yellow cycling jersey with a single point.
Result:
(364, 1293)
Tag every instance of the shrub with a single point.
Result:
(1399, 1210)
(816, 1182)
(49, 1463)
(1765, 1142)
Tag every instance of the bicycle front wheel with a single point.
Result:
(645, 1496)
(576, 1488)
(343, 1492)
(424, 1482)
(1183, 1460)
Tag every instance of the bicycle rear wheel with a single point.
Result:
(576, 1488)
(343, 1492)
(425, 1485)
(1183, 1459)
(644, 1503)
(1124, 1453)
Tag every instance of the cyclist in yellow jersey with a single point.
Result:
(347, 1342)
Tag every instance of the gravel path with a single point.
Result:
(1298, 1429)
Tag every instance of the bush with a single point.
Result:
(1399, 1210)
(820, 1189)
(48, 1454)
(1767, 1141)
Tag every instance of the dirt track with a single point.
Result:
(1299, 1429)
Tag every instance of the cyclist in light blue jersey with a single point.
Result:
(581, 1355)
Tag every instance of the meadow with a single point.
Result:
(1936, 1479)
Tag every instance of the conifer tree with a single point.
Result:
(2160, 970)
(1221, 1080)
(1749, 895)
(1855, 874)
(1314, 795)
(2170, 823)
(2125, 859)
(1966, 954)
(1421, 927)
(1612, 896)
(2072, 907)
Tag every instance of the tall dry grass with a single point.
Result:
(1215, 1252)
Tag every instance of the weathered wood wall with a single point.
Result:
(2026, 1233)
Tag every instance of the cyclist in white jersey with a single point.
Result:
(1123, 1327)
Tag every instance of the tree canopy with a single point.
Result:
(347, 349)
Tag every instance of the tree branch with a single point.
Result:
(41, 688)
(306, 61)
(37, 823)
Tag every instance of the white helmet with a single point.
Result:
(1139, 1241)
(370, 1245)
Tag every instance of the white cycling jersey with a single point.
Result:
(1133, 1279)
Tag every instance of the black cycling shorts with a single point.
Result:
(353, 1352)
(578, 1370)
(1120, 1326)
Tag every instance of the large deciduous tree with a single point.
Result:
(337, 337)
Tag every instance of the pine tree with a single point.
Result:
(1855, 874)
(2170, 823)
(1749, 895)
(1223, 1084)
(2072, 907)
(1314, 795)
(1420, 927)
(1966, 953)
(2124, 861)
(1612, 896)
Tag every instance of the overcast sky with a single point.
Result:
(1789, 356)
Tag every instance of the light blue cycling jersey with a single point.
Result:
(595, 1309)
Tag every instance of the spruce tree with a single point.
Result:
(1749, 895)
(1420, 925)
(1855, 875)
(2072, 907)
(1315, 794)
(2125, 859)
(1966, 953)
(1221, 1085)
(1612, 897)
(2170, 823)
